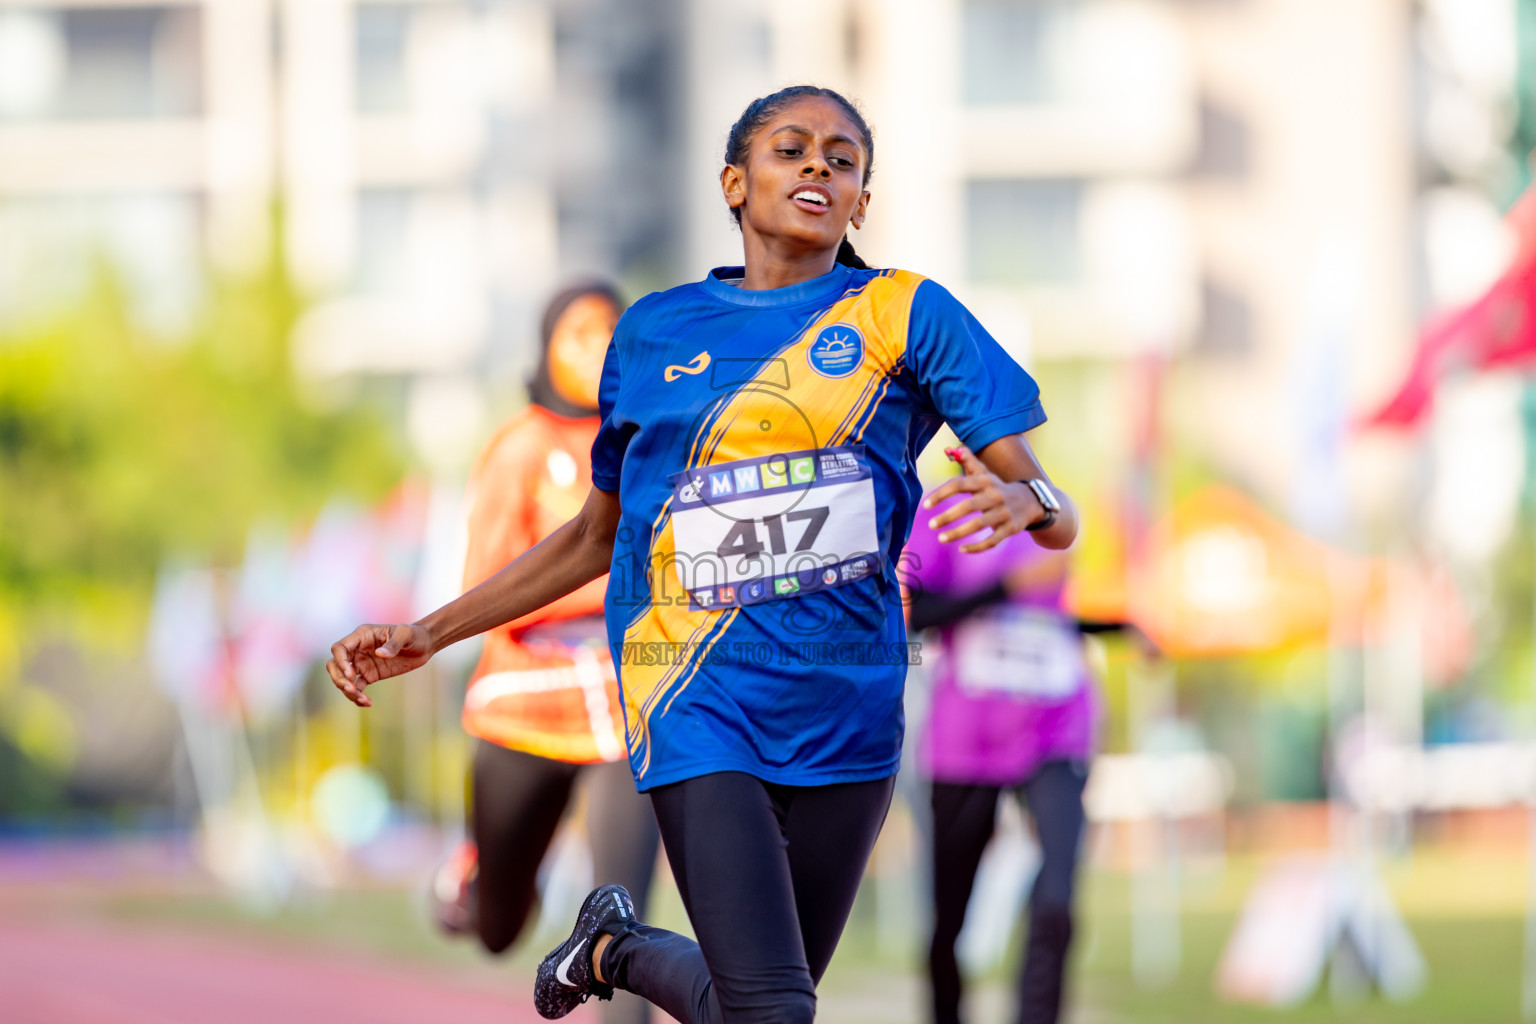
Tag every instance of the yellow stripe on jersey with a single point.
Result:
(761, 416)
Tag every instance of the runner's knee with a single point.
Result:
(1053, 920)
(796, 1008)
(785, 1006)
(1053, 890)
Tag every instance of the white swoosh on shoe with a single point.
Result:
(563, 973)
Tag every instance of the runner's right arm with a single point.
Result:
(572, 556)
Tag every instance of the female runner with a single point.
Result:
(543, 702)
(753, 485)
(1014, 707)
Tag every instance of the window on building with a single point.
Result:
(383, 39)
(105, 63)
(1007, 50)
(1023, 232)
(383, 239)
(1226, 321)
(1224, 149)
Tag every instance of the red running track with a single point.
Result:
(83, 974)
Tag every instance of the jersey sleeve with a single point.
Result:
(612, 439)
(964, 373)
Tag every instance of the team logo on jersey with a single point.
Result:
(837, 351)
(829, 577)
(695, 366)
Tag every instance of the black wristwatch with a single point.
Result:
(1047, 499)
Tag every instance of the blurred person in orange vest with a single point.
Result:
(543, 702)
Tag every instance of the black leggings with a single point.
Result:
(962, 823)
(517, 802)
(768, 874)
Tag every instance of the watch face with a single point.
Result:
(1046, 496)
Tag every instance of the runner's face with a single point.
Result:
(577, 346)
(804, 178)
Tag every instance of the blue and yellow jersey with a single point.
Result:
(763, 446)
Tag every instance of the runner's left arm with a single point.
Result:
(997, 497)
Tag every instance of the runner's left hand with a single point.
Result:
(1008, 508)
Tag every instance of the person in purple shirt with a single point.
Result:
(1015, 708)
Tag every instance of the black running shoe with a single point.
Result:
(565, 977)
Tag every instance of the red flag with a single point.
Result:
(1496, 331)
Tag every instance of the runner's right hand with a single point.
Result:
(370, 653)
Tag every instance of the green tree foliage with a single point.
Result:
(119, 450)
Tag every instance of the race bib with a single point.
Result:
(775, 526)
(1023, 652)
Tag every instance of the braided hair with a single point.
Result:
(760, 111)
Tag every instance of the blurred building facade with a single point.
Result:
(438, 165)
(1264, 196)
(1267, 192)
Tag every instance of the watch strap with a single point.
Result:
(1047, 501)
